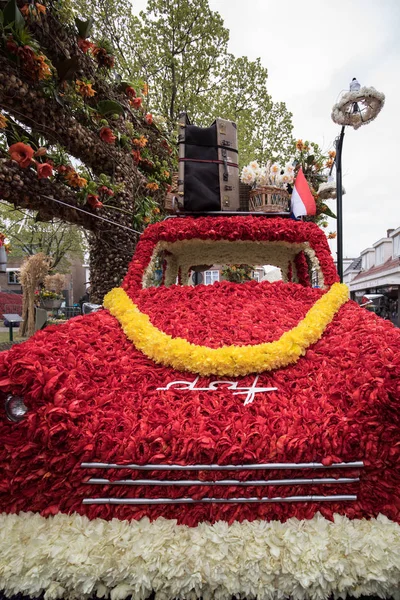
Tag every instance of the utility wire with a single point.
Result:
(90, 214)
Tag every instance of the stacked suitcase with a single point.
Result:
(208, 167)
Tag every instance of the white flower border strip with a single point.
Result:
(369, 97)
(69, 556)
(187, 253)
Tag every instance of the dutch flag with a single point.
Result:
(303, 202)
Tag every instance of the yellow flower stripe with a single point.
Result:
(228, 360)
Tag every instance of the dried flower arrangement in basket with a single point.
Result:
(269, 183)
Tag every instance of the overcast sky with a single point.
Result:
(312, 49)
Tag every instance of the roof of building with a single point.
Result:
(390, 264)
(355, 265)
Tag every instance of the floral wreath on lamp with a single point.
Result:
(358, 107)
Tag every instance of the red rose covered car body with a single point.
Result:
(207, 441)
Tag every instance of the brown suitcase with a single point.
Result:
(208, 167)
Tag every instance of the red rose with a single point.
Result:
(148, 118)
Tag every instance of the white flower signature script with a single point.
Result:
(248, 392)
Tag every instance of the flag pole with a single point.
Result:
(339, 211)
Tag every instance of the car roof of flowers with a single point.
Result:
(246, 228)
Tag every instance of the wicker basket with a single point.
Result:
(269, 199)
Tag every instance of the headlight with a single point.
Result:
(15, 408)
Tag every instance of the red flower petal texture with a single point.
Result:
(93, 397)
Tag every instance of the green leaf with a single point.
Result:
(84, 27)
(310, 159)
(12, 14)
(328, 212)
(67, 68)
(107, 107)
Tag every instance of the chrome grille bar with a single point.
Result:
(216, 467)
(236, 482)
(146, 501)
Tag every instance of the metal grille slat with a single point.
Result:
(223, 482)
(216, 467)
(144, 501)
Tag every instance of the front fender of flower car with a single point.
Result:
(205, 441)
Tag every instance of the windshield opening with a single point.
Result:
(195, 261)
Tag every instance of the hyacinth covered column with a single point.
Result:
(78, 144)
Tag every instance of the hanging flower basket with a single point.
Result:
(358, 108)
(269, 199)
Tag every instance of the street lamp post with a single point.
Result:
(339, 203)
(355, 108)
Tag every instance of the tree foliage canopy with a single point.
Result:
(61, 241)
(180, 48)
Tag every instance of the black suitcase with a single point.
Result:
(208, 167)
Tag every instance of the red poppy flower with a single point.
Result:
(136, 103)
(130, 92)
(85, 45)
(22, 154)
(44, 170)
(107, 135)
(136, 156)
(94, 201)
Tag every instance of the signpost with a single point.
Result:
(12, 319)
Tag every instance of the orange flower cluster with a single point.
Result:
(84, 89)
(331, 235)
(72, 177)
(152, 186)
(329, 163)
(299, 145)
(140, 142)
(28, 9)
(42, 69)
(332, 154)
(3, 121)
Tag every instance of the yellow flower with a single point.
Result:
(228, 360)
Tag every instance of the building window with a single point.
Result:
(12, 277)
(379, 255)
(396, 246)
(211, 277)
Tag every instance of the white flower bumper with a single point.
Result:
(73, 557)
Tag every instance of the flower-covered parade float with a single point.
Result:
(233, 440)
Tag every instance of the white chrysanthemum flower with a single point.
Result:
(275, 169)
(254, 165)
(289, 169)
(248, 176)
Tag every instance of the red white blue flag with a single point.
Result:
(303, 202)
